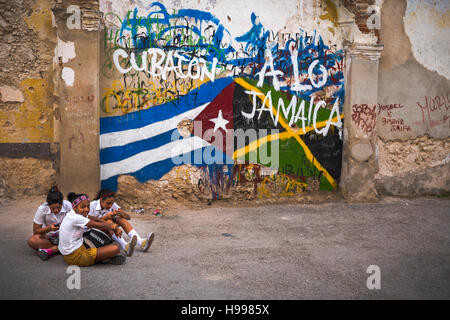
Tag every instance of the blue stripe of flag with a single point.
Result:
(118, 153)
(195, 98)
(158, 169)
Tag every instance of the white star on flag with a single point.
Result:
(219, 122)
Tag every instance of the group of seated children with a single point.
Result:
(60, 226)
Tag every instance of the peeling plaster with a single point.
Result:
(65, 50)
(411, 155)
(41, 20)
(10, 94)
(68, 76)
(427, 24)
(26, 122)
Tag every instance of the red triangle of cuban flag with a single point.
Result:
(215, 123)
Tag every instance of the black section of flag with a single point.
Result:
(327, 150)
(243, 102)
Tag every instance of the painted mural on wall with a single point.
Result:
(179, 88)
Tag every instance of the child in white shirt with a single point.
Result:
(105, 208)
(71, 235)
(46, 223)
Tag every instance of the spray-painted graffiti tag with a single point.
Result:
(435, 110)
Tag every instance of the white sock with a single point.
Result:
(134, 233)
(120, 241)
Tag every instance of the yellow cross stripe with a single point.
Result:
(281, 136)
(290, 133)
(256, 144)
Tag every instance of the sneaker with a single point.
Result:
(54, 238)
(146, 243)
(129, 248)
(44, 254)
(116, 260)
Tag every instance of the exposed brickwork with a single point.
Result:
(360, 9)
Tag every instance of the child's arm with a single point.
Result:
(39, 221)
(103, 225)
(116, 213)
(123, 214)
(92, 218)
(38, 229)
(106, 217)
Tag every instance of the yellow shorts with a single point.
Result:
(82, 257)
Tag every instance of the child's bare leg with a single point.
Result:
(38, 241)
(126, 226)
(107, 252)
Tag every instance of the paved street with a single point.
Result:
(292, 251)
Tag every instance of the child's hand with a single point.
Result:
(123, 214)
(110, 215)
(117, 231)
(53, 227)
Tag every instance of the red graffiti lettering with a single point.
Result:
(435, 110)
(364, 117)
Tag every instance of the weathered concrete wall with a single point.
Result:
(360, 23)
(76, 64)
(28, 148)
(358, 160)
(49, 96)
(419, 166)
(26, 176)
(412, 114)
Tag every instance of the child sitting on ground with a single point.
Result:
(46, 223)
(71, 236)
(105, 208)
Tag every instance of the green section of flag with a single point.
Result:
(292, 158)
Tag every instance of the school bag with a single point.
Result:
(95, 238)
